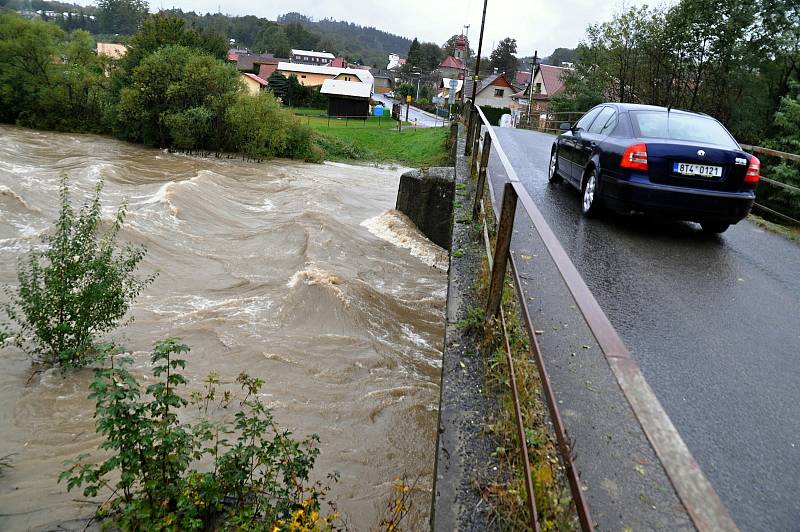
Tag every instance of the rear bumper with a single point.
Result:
(676, 202)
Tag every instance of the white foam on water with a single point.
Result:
(396, 228)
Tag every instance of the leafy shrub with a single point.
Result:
(257, 126)
(258, 478)
(78, 288)
(493, 114)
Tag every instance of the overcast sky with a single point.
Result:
(541, 25)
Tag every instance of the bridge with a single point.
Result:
(712, 324)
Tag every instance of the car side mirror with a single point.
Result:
(565, 126)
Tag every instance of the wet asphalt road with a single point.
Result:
(714, 324)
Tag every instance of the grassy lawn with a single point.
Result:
(381, 143)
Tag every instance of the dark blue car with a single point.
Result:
(642, 158)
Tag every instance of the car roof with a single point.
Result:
(643, 107)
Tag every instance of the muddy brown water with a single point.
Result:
(299, 274)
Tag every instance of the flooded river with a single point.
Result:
(299, 274)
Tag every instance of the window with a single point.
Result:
(599, 124)
(499, 93)
(538, 88)
(588, 118)
(303, 76)
(681, 126)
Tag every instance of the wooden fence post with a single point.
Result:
(476, 143)
(473, 117)
(501, 249)
(487, 146)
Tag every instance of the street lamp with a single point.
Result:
(416, 74)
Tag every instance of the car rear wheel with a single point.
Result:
(590, 201)
(714, 227)
(552, 170)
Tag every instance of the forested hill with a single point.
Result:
(354, 39)
(358, 44)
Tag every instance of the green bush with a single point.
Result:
(77, 289)
(493, 114)
(257, 126)
(258, 474)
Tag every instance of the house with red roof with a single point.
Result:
(253, 83)
(339, 62)
(548, 81)
(494, 91)
(452, 68)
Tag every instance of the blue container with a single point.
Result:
(378, 110)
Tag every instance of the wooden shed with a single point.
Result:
(347, 98)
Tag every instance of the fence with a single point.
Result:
(549, 122)
(779, 200)
(703, 506)
(327, 121)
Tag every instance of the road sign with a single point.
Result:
(408, 98)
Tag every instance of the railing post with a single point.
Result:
(476, 144)
(487, 146)
(500, 260)
(473, 117)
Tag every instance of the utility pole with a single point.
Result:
(530, 85)
(470, 125)
(480, 48)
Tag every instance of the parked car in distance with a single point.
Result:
(643, 158)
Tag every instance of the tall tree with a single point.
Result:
(300, 37)
(273, 39)
(413, 53)
(503, 57)
(121, 16)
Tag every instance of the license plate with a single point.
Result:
(702, 170)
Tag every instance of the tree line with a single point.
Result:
(172, 90)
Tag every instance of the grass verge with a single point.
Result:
(507, 494)
(380, 143)
(792, 233)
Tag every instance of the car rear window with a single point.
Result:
(680, 126)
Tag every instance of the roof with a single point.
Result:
(452, 62)
(484, 83)
(339, 62)
(260, 81)
(114, 51)
(363, 75)
(266, 70)
(522, 77)
(351, 89)
(312, 53)
(552, 77)
(249, 61)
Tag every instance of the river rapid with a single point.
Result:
(296, 273)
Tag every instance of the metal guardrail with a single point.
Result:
(780, 155)
(701, 502)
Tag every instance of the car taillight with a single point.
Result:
(635, 157)
(753, 171)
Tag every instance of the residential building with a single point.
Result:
(347, 98)
(444, 88)
(253, 83)
(339, 62)
(548, 81)
(247, 62)
(495, 91)
(311, 57)
(384, 80)
(395, 62)
(314, 76)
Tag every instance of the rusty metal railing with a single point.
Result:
(771, 182)
(703, 505)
